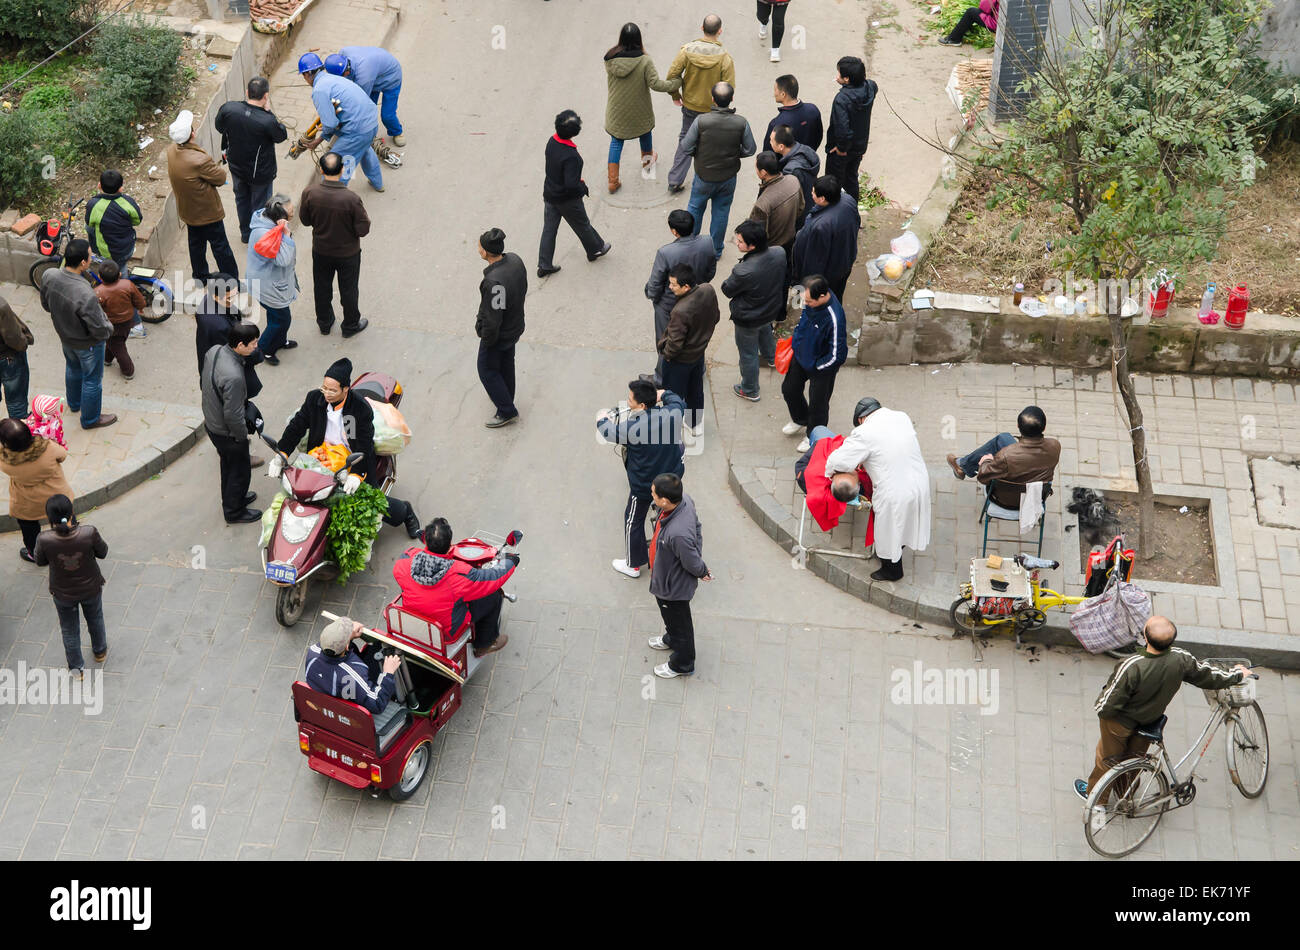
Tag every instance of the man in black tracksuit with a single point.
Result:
(562, 194)
(850, 128)
(500, 323)
(249, 133)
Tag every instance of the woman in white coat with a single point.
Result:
(884, 443)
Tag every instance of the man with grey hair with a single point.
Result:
(718, 139)
(340, 667)
(700, 64)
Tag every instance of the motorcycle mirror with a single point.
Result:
(514, 537)
(353, 459)
(268, 440)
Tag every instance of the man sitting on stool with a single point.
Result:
(1014, 463)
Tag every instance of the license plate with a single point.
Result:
(284, 573)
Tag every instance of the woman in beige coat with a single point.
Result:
(34, 465)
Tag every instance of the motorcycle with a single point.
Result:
(295, 553)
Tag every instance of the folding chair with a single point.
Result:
(803, 518)
(993, 510)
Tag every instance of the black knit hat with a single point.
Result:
(341, 370)
(493, 240)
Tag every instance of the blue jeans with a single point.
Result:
(356, 150)
(720, 193)
(753, 343)
(818, 432)
(616, 147)
(83, 381)
(388, 108)
(970, 464)
(70, 626)
(277, 330)
(14, 377)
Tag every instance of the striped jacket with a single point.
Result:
(1142, 685)
(348, 677)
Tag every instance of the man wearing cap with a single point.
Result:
(883, 443)
(339, 667)
(378, 73)
(195, 178)
(335, 415)
(347, 114)
(500, 323)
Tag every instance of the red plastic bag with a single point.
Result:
(268, 245)
(784, 353)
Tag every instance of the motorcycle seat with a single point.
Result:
(389, 723)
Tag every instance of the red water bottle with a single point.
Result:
(1238, 303)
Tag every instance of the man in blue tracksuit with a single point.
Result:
(347, 112)
(819, 349)
(378, 73)
(338, 667)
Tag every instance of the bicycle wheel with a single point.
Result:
(37, 270)
(158, 299)
(1125, 807)
(1248, 750)
(964, 620)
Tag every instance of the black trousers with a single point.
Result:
(838, 283)
(815, 410)
(236, 472)
(679, 633)
(496, 371)
(636, 551)
(398, 512)
(348, 269)
(845, 170)
(200, 236)
(486, 612)
(249, 197)
(968, 19)
(575, 213)
(777, 11)
(30, 530)
(687, 381)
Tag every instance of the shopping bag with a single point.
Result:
(1113, 619)
(268, 245)
(784, 353)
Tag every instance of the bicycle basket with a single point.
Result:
(1243, 694)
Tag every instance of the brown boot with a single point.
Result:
(614, 184)
(496, 644)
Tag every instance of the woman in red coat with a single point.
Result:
(986, 13)
(775, 11)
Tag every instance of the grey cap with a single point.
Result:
(337, 635)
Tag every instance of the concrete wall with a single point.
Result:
(1282, 35)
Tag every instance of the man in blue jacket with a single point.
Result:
(827, 244)
(337, 667)
(378, 73)
(651, 436)
(819, 350)
(346, 112)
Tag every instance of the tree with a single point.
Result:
(1143, 124)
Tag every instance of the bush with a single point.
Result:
(47, 23)
(148, 56)
(46, 99)
(20, 167)
(103, 124)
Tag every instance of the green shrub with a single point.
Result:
(20, 166)
(950, 12)
(146, 55)
(103, 124)
(47, 23)
(46, 99)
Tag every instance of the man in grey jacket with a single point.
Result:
(719, 139)
(756, 288)
(225, 395)
(82, 328)
(686, 248)
(676, 568)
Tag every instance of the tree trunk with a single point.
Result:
(1145, 544)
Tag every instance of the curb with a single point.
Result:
(912, 602)
(118, 479)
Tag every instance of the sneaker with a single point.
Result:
(776, 56)
(100, 657)
(698, 431)
(676, 189)
(790, 428)
(659, 643)
(803, 446)
(667, 672)
(399, 141)
(497, 644)
(26, 555)
(944, 41)
(956, 469)
(129, 377)
(1081, 788)
(378, 188)
(137, 332)
(742, 394)
(78, 673)
(289, 344)
(270, 359)
(621, 566)
(497, 421)
(762, 31)
(770, 364)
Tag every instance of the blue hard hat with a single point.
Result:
(309, 63)
(336, 64)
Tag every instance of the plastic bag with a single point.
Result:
(269, 517)
(330, 455)
(784, 353)
(392, 434)
(907, 246)
(268, 245)
(1113, 619)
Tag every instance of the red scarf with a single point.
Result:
(567, 142)
(654, 540)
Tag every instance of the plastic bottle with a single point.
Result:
(1207, 302)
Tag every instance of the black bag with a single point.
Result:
(252, 417)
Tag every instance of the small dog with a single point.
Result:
(1097, 523)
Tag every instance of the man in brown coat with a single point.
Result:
(15, 337)
(690, 327)
(1014, 463)
(195, 178)
(338, 221)
(780, 202)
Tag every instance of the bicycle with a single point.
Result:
(159, 300)
(992, 608)
(1130, 799)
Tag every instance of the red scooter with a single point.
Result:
(295, 552)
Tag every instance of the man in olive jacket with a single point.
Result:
(1139, 691)
(195, 178)
(500, 323)
(719, 139)
(700, 65)
(690, 327)
(338, 221)
(676, 568)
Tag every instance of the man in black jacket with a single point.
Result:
(850, 128)
(500, 323)
(562, 195)
(827, 244)
(336, 415)
(338, 221)
(249, 133)
(756, 288)
(687, 247)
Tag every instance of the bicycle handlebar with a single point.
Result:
(1036, 563)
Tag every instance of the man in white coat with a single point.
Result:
(883, 442)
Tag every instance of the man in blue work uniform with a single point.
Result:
(377, 72)
(346, 112)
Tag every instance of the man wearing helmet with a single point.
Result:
(346, 114)
(378, 73)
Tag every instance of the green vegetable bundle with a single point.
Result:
(353, 525)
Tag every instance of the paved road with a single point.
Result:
(786, 744)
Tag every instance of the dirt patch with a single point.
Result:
(1184, 541)
(984, 250)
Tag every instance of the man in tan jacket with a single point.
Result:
(701, 64)
(195, 178)
(779, 203)
(1010, 462)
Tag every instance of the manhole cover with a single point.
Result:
(1277, 493)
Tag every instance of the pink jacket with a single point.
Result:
(989, 14)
